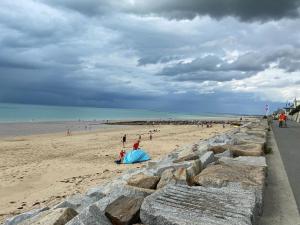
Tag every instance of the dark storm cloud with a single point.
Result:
(117, 54)
(210, 68)
(214, 68)
(220, 76)
(154, 59)
(245, 9)
(177, 9)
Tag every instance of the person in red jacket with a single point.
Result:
(121, 156)
(281, 119)
(136, 145)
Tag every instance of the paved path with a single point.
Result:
(288, 142)
(279, 203)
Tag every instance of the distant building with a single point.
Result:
(294, 111)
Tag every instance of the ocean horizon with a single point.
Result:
(11, 112)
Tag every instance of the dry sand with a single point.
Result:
(42, 170)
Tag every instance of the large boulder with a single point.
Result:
(91, 215)
(184, 205)
(227, 154)
(251, 149)
(193, 170)
(79, 202)
(217, 149)
(181, 175)
(221, 174)
(235, 175)
(242, 138)
(143, 181)
(158, 168)
(245, 161)
(24, 216)
(95, 213)
(188, 157)
(166, 177)
(52, 217)
(124, 210)
(206, 159)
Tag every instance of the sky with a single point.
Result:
(221, 56)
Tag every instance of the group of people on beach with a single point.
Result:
(136, 145)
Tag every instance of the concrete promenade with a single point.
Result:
(288, 142)
(279, 205)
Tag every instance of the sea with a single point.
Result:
(41, 113)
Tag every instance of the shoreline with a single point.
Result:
(20, 129)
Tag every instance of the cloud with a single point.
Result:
(246, 10)
(130, 54)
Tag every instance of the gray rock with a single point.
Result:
(193, 170)
(226, 154)
(79, 202)
(52, 217)
(184, 205)
(242, 138)
(245, 160)
(125, 190)
(95, 214)
(124, 210)
(19, 218)
(95, 192)
(91, 215)
(189, 157)
(221, 174)
(206, 159)
(217, 149)
(228, 175)
(166, 177)
(181, 175)
(161, 167)
(250, 149)
(143, 181)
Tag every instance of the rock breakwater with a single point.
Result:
(218, 181)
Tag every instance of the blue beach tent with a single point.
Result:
(135, 156)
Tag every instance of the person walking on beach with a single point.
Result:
(124, 140)
(150, 136)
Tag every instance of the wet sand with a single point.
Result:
(40, 170)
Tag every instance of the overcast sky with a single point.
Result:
(174, 55)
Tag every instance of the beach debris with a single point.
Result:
(184, 205)
(124, 210)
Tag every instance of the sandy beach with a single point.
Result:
(40, 170)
